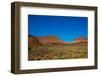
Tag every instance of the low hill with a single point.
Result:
(52, 40)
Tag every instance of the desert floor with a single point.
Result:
(57, 52)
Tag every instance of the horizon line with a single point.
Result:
(59, 37)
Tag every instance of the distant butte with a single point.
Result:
(51, 40)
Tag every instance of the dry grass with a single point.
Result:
(57, 52)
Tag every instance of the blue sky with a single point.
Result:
(67, 28)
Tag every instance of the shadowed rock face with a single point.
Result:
(33, 41)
